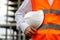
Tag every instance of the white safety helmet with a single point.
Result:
(34, 18)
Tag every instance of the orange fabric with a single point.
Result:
(49, 17)
(52, 19)
(43, 4)
(48, 34)
(39, 5)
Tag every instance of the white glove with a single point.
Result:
(34, 18)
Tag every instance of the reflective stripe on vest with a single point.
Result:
(52, 11)
(50, 26)
(53, 26)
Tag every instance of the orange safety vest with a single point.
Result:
(50, 29)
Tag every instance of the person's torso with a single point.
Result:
(51, 20)
(51, 12)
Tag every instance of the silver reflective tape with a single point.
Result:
(51, 26)
(45, 11)
(55, 11)
(52, 11)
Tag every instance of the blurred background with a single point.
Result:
(8, 29)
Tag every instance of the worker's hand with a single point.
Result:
(30, 30)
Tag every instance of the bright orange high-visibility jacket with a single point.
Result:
(50, 29)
